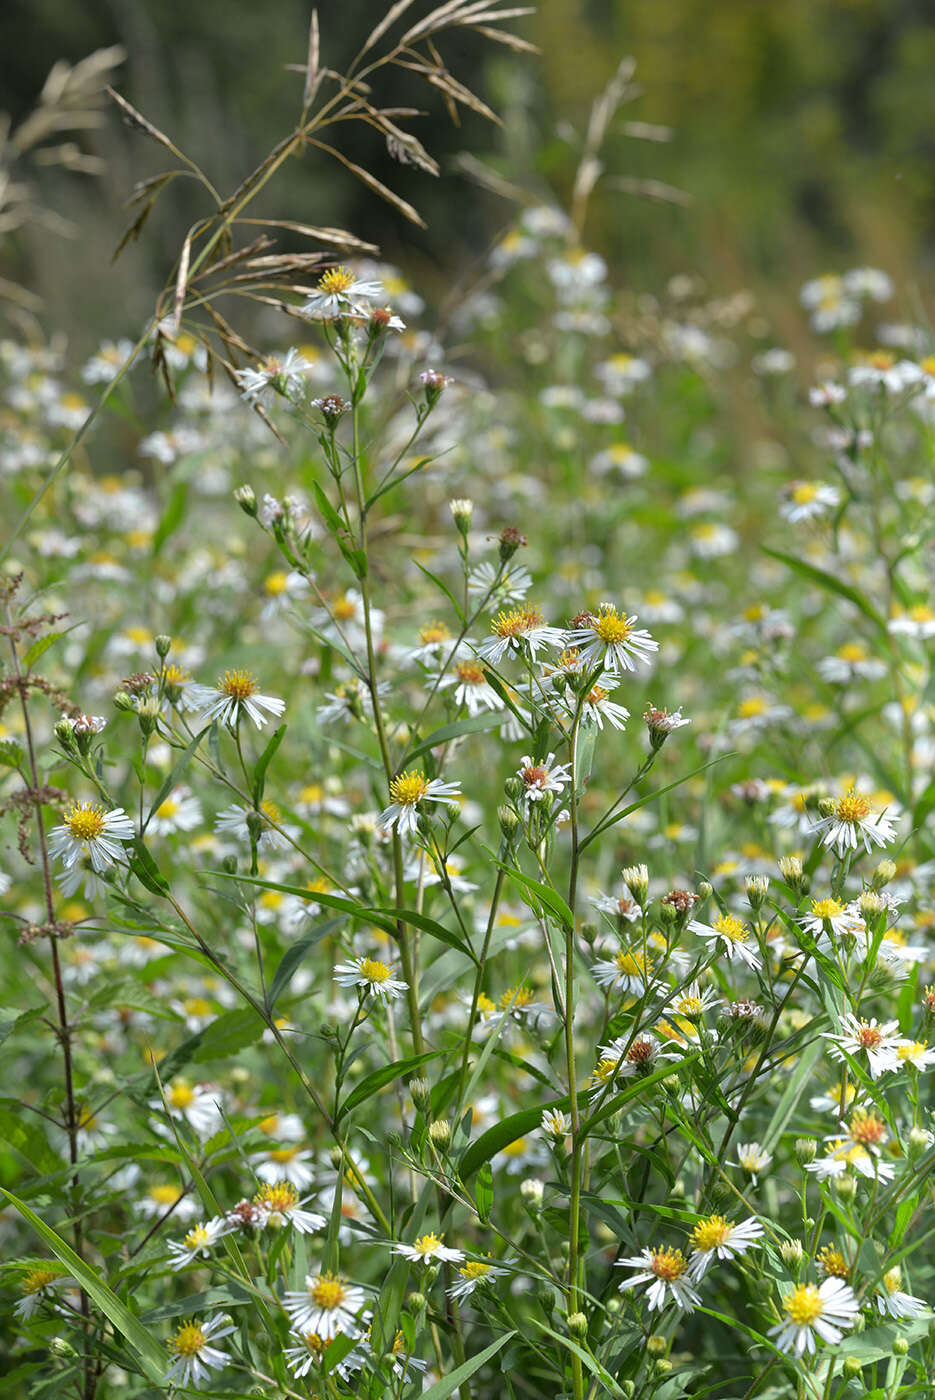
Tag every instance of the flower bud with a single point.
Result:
(124, 701)
(336, 1155)
(663, 1366)
(636, 879)
(462, 509)
(657, 1346)
(229, 865)
(792, 1253)
(532, 1191)
(705, 890)
(419, 1089)
(509, 821)
(900, 1346)
(434, 383)
(510, 541)
(871, 905)
(61, 1347)
(64, 733)
(756, 887)
(577, 1324)
(845, 1187)
(415, 1302)
(660, 724)
(883, 874)
(245, 496)
(147, 712)
(163, 645)
(918, 1142)
(514, 788)
(806, 1150)
(440, 1133)
(256, 824)
(852, 1367)
(826, 806)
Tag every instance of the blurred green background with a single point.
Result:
(804, 132)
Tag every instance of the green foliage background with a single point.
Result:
(803, 131)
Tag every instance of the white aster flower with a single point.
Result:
(89, 830)
(371, 977)
(428, 1247)
(665, 1271)
(608, 637)
(878, 1041)
(542, 777)
(407, 792)
(805, 500)
(713, 1237)
(734, 936)
(193, 1355)
(327, 1305)
(827, 1311)
(753, 1159)
(279, 1205)
(852, 822)
(197, 1243)
(180, 811)
(275, 375)
(474, 1273)
(892, 1302)
(521, 631)
(339, 293)
(290, 1164)
(472, 687)
(196, 1103)
(234, 695)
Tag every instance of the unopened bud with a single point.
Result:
(416, 1302)
(61, 1347)
(705, 891)
(229, 865)
(336, 1155)
(147, 712)
(64, 733)
(852, 1367)
(514, 788)
(636, 879)
(577, 1324)
(462, 509)
(509, 821)
(792, 1253)
(663, 1366)
(419, 1089)
(883, 874)
(845, 1187)
(806, 1150)
(657, 1346)
(918, 1142)
(510, 541)
(256, 824)
(245, 496)
(826, 806)
(124, 701)
(871, 905)
(440, 1133)
(756, 887)
(900, 1346)
(434, 383)
(163, 645)
(532, 1191)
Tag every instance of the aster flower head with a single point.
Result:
(852, 822)
(825, 1312)
(664, 1271)
(407, 792)
(371, 977)
(328, 1304)
(427, 1248)
(733, 936)
(37, 1286)
(197, 1243)
(876, 1042)
(891, 1301)
(236, 694)
(279, 1204)
(193, 1355)
(276, 375)
(472, 1275)
(518, 631)
(714, 1237)
(89, 830)
(610, 638)
(542, 776)
(340, 293)
(752, 1159)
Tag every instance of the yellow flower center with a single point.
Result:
(605, 1070)
(474, 1269)
(281, 1198)
(920, 613)
(197, 1006)
(853, 651)
(239, 685)
(709, 1233)
(852, 807)
(668, 1264)
(611, 627)
(313, 1343)
(409, 788)
(433, 632)
(469, 673)
(327, 1292)
(892, 1280)
(271, 811)
(283, 1154)
(181, 1095)
(826, 908)
(269, 1125)
(313, 792)
(85, 821)
(427, 1244)
(596, 696)
(805, 492)
(164, 1195)
(911, 1048)
(515, 997)
(374, 970)
(37, 1279)
(730, 927)
(631, 964)
(803, 1305)
(275, 584)
(868, 1037)
(866, 1128)
(169, 808)
(176, 675)
(197, 1238)
(832, 1261)
(516, 622)
(188, 1340)
(335, 280)
(749, 709)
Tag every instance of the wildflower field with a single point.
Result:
(468, 876)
